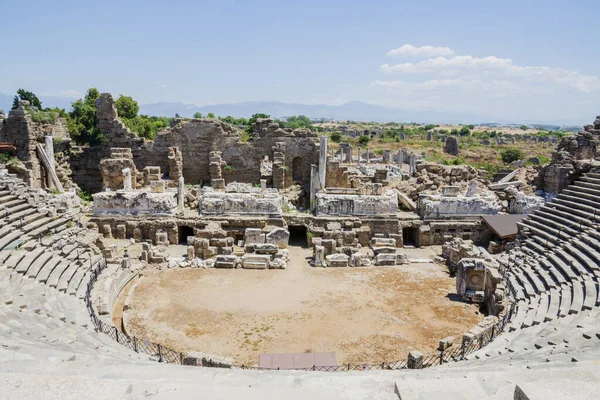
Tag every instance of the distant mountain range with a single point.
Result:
(352, 110)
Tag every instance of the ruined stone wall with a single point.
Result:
(440, 232)
(20, 130)
(197, 138)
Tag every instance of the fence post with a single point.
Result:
(493, 331)
(160, 359)
(383, 365)
(181, 358)
(117, 334)
(348, 367)
(462, 349)
(135, 345)
(314, 368)
(441, 357)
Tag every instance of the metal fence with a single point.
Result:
(164, 354)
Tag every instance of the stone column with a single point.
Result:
(368, 156)
(127, 180)
(349, 156)
(314, 186)
(263, 185)
(180, 195)
(400, 159)
(358, 157)
(342, 158)
(49, 149)
(319, 256)
(412, 164)
(322, 161)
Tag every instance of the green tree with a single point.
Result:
(198, 115)
(364, 139)
(464, 131)
(211, 115)
(524, 127)
(127, 107)
(335, 137)
(252, 120)
(510, 155)
(23, 94)
(81, 121)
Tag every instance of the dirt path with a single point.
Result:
(363, 314)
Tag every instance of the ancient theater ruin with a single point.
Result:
(290, 252)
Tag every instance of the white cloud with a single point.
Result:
(408, 50)
(492, 67)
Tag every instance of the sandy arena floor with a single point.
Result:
(365, 315)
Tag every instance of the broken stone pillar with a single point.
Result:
(358, 157)
(175, 161)
(349, 154)
(400, 159)
(180, 189)
(368, 156)
(415, 360)
(263, 185)
(190, 252)
(319, 256)
(387, 156)
(451, 146)
(322, 161)
(127, 180)
(49, 148)
(342, 158)
(314, 186)
(279, 165)
(412, 164)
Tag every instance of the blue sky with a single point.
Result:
(512, 59)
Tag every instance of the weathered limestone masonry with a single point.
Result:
(111, 169)
(20, 130)
(572, 158)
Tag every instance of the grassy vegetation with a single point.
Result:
(472, 151)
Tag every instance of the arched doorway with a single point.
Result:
(297, 169)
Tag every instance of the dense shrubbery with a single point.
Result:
(510, 155)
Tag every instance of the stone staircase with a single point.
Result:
(555, 275)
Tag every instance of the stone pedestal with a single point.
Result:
(415, 360)
(322, 161)
(180, 189)
(127, 180)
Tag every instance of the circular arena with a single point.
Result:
(286, 266)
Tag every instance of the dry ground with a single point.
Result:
(365, 315)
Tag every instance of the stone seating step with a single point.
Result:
(518, 319)
(560, 264)
(29, 258)
(65, 278)
(57, 272)
(23, 211)
(542, 310)
(53, 224)
(572, 262)
(77, 280)
(81, 289)
(534, 278)
(565, 300)
(574, 249)
(531, 311)
(520, 293)
(573, 203)
(542, 218)
(545, 226)
(555, 298)
(591, 294)
(38, 264)
(6, 197)
(588, 183)
(584, 198)
(548, 234)
(580, 187)
(586, 218)
(543, 276)
(586, 250)
(577, 304)
(8, 206)
(47, 269)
